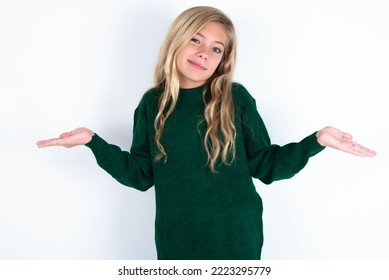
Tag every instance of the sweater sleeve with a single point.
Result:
(269, 162)
(134, 168)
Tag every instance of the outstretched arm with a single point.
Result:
(334, 138)
(78, 136)
(131, 169)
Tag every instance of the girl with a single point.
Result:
(199, 139)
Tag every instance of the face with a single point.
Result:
(198, 60)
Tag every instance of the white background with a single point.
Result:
(65, 64)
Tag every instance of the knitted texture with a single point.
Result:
(200, 214)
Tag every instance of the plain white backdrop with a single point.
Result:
(87, 63)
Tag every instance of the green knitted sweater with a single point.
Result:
(200, 214)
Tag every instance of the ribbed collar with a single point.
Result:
(195, 90)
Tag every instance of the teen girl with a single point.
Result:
(199, 139)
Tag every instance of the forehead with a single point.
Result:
(214, 31)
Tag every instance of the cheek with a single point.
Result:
(184, 54)
(180, 60)
(216, 63)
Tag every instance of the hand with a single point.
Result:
(79, 136)
(334, 138)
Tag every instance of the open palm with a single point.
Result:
(78, 136)
(334, 138)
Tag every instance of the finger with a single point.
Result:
(49, 142)
(371, 153)
(365, 151)
(43, 143)
(65, 134)
(360, 150)
(347, 136)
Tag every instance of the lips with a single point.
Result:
(197, 65)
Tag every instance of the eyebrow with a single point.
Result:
(218, 42)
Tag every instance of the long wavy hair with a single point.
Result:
(219, 139)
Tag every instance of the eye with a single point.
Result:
(217, 50)
(196, 41)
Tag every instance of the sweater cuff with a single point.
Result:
(96, 144)
(313, 145)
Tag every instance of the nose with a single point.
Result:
(203, 54)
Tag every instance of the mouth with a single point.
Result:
(196, 65)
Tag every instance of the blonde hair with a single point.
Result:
(219, 139)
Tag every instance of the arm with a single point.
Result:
(130, 169)
(269, 162)
(133, 170)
